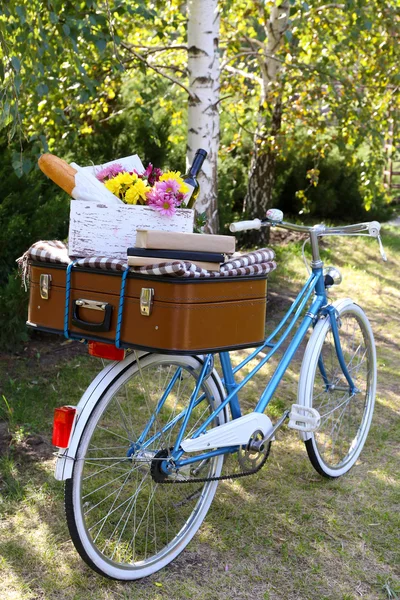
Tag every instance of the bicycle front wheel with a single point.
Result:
(345, 417)
(124, 522)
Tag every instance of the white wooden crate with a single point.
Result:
(97, 229)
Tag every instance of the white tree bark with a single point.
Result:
(203, 113)
(275, 28)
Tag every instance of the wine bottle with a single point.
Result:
(190, 178)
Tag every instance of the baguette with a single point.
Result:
(58, 171)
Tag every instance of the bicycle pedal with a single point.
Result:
(304, 418)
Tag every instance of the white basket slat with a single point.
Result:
(97, 229)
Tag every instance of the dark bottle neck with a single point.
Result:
(197, 162)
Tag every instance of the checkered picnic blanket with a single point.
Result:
(259, 262)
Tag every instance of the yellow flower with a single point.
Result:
(136, 192)
(113, 186)
(118, 184)
(126, 178)
(176, 175)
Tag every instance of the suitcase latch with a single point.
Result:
(44, 286)
(146, 301)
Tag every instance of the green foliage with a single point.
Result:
(63, 63)
(31, 208)
(13, 313)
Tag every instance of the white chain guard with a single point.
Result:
(234, 433)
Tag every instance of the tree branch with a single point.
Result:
(326, 6)
(157, 70)
(154, 49)
(240, 54)
(244, 74)
(172, 68)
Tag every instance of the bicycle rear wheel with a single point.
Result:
(124, 523)
(345, 417)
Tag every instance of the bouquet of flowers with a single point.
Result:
(165, 192)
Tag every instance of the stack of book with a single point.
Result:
(205, 251)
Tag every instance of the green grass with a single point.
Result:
(283, 534)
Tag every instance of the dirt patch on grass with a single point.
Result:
(48, 349)
(24, 449)
(5, 439)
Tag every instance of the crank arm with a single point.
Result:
(258, 446)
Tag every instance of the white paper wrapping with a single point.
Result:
(90, 189)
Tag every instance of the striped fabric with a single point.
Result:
(260, 262)
(255, 263)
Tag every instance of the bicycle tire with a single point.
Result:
(173, 513)
(335, 446)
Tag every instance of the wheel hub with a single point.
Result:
(156, 469)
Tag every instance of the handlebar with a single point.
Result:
(371, 228)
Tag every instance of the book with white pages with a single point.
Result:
(144, 261)
(173, 240)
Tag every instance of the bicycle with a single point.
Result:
(147, 451)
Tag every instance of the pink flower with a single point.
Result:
(152, 174)
(179, 197)
(152, 196)
(169, 186)
(155, 176)
(109, 172)
(165, 204)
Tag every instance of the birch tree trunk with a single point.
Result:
(262, 170)
(203, 114)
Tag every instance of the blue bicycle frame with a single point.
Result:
(318, 307)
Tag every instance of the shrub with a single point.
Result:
(31, 208)
(338, 196)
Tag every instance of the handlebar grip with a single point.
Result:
(243, 225)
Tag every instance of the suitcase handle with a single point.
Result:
(93, 305)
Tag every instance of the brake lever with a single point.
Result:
(381, 249)
(374, 230)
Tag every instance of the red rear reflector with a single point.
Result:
(107, 351)
(64, 418)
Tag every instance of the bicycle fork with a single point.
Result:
(334, 317)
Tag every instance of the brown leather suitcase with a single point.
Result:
(170, 315)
